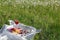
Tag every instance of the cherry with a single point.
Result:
(16, 21)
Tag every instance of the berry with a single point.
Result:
(16, 21)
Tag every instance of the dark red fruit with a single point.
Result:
(21, 32)
(24, 31)
(16, 21)
(11, 29)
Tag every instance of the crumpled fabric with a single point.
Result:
(6, 35)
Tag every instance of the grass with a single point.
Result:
(42, 17)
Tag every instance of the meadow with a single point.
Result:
(41, 16)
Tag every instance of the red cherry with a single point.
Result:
(21, 32)
(25, 31)
(16, 21)
(13, 29)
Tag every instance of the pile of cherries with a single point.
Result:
(17, 30)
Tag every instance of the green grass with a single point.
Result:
(46, 18)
